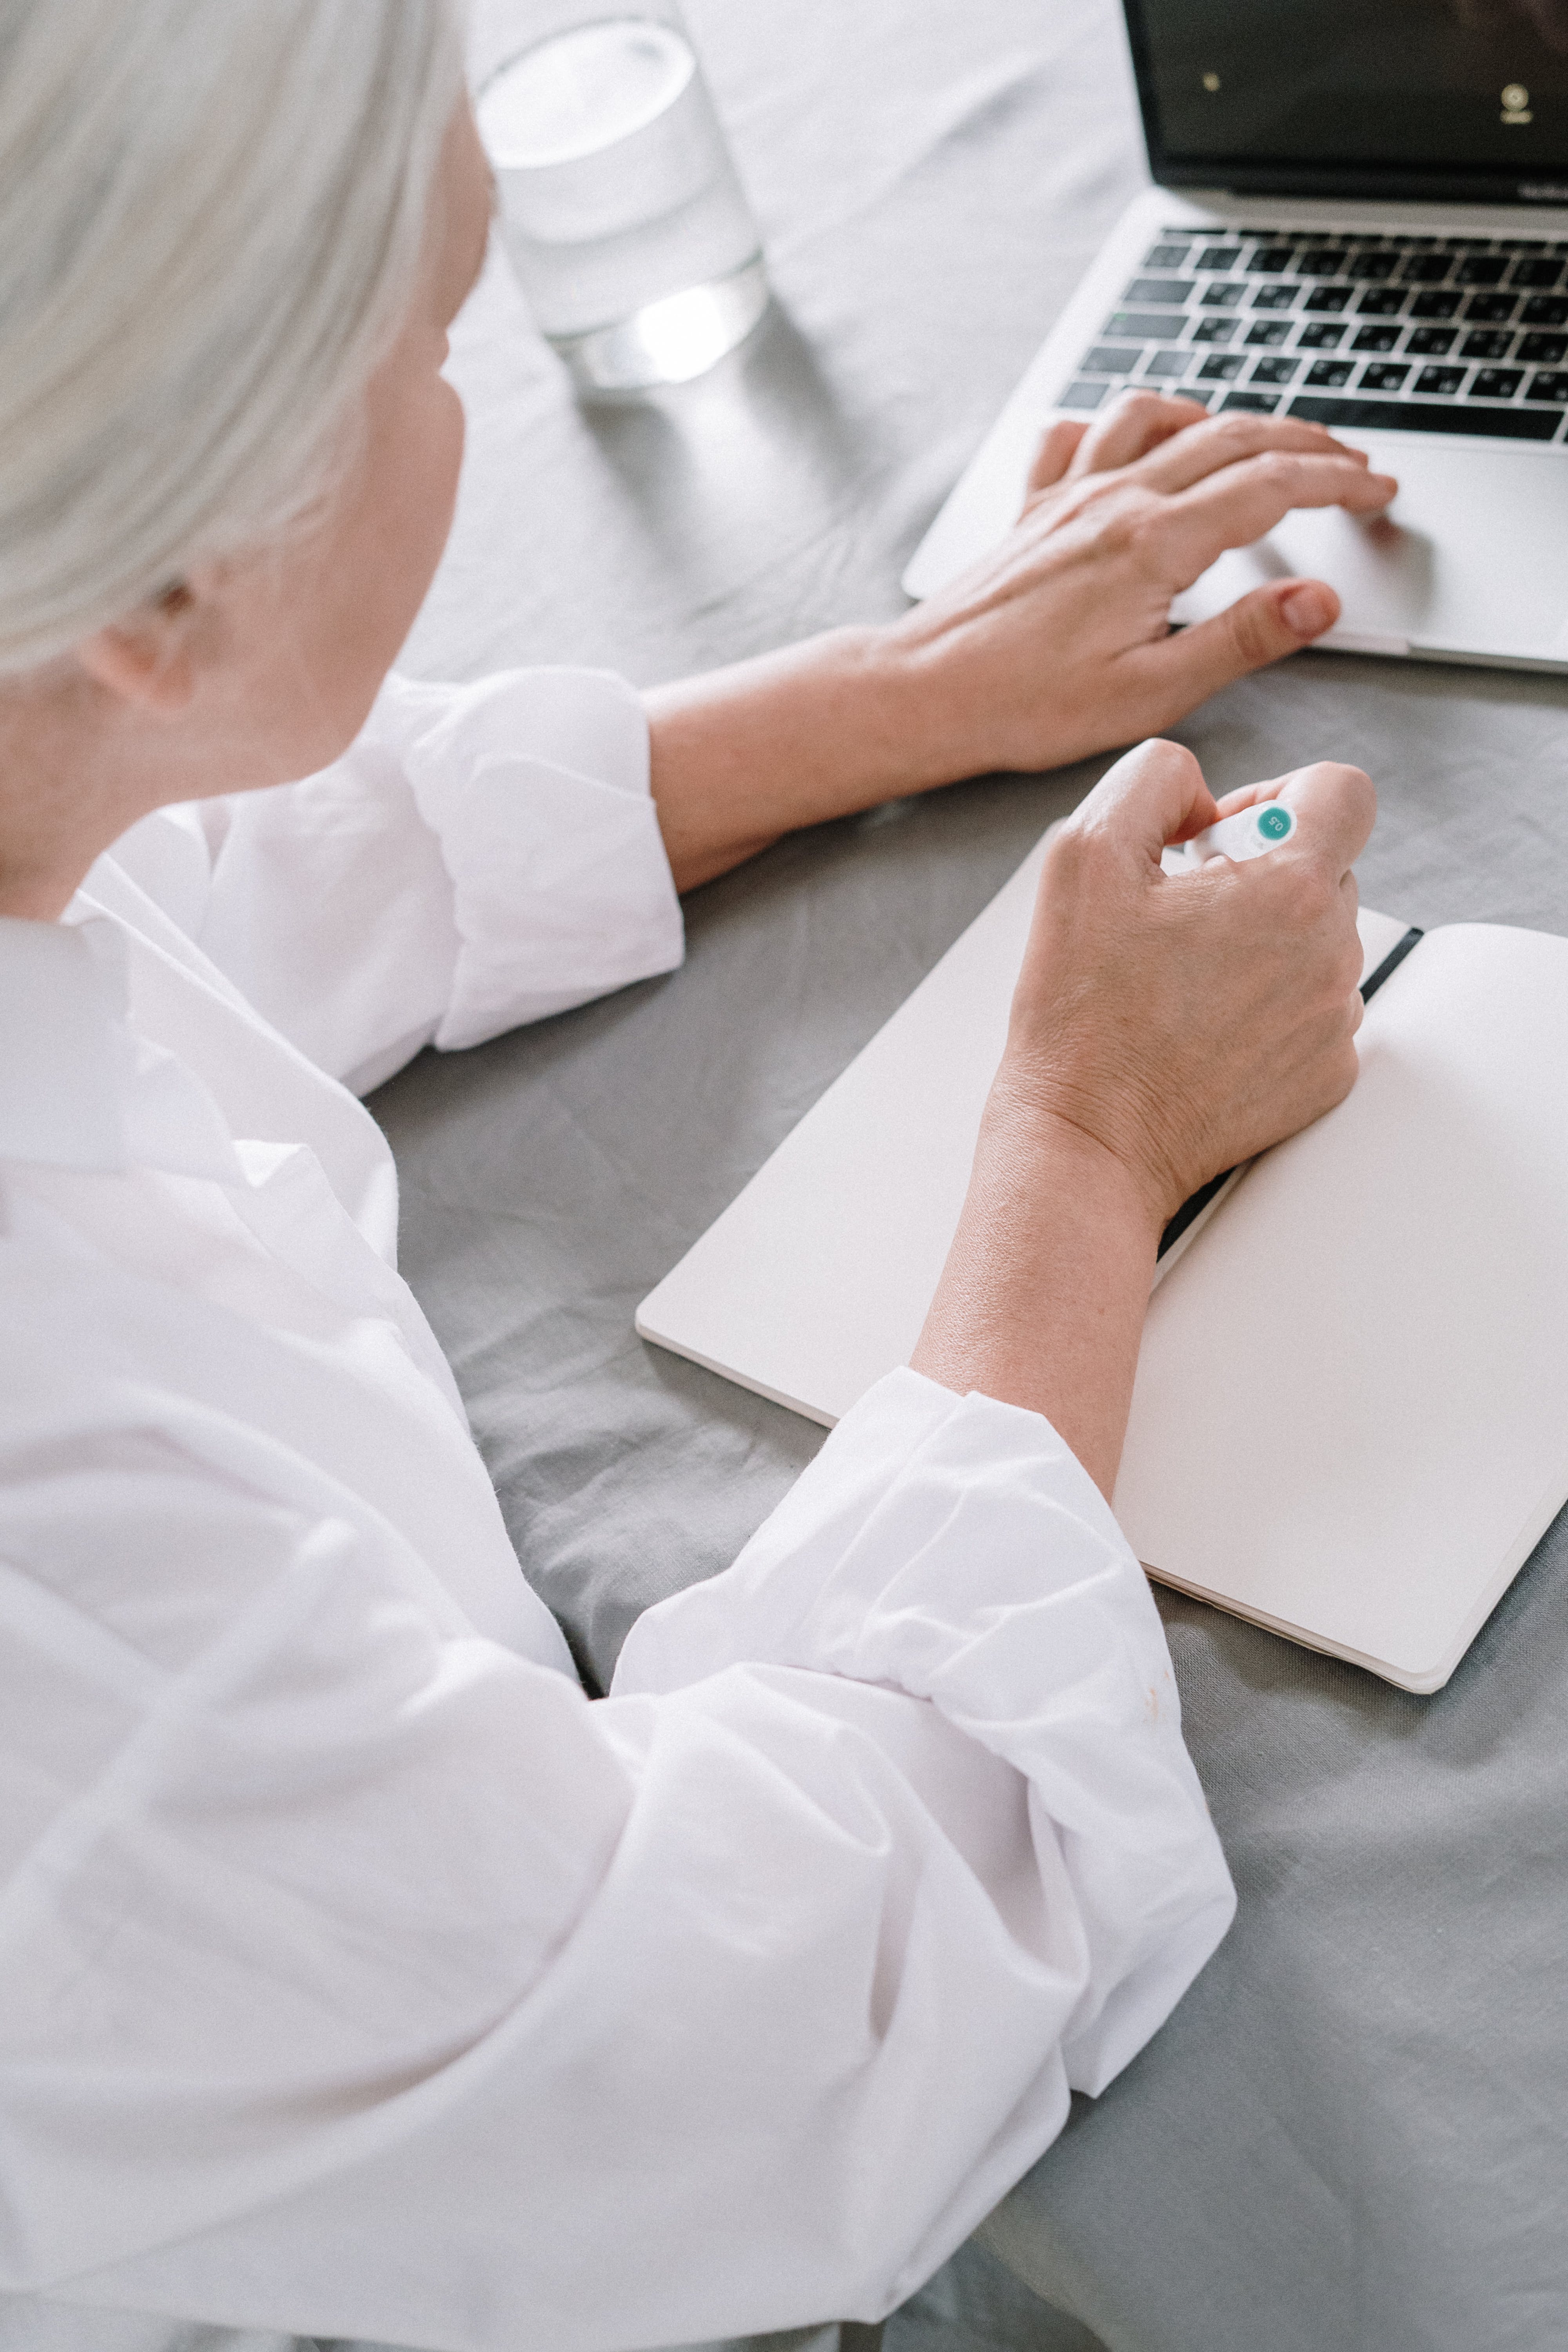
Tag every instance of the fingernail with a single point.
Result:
(1308, 611)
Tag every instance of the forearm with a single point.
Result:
(794, 737)
(1042, 1301)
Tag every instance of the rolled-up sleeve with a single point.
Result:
(954, 1548)
(382, 1985)
(482, 856)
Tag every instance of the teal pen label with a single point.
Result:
(1274, 823)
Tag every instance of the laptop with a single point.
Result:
(1359, 216)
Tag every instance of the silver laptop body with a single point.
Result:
(1332, 267)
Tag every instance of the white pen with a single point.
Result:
(1251, 833)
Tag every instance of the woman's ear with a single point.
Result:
(147, 659)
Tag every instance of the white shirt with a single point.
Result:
(359, 1976)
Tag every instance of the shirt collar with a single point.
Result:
(78, 1089)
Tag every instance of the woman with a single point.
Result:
(358, 1976)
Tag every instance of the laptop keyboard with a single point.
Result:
(1409, 334)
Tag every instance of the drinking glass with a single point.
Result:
(619, 205)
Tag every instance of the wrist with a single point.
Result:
(1036, 1120)
(944, 719)
(880, 708)
(814, 731)
(1042, 1299)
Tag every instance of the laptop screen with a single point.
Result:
(1463, 99)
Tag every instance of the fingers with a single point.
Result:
(1258, 628)
(1247, 796)
(1220, 441)
(1340, 804)
(1335, 808)
(1154, 795)
(1170, 444)
(1058, 446)
(1244, 501)
(1131, 427)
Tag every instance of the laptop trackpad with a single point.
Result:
(1473, 554)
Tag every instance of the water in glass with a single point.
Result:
(620, 205)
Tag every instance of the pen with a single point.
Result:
(1251, 833)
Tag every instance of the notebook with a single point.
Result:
(1350, 1421)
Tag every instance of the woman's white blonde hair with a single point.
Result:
(211, 218)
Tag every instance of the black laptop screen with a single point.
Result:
(1460, 97)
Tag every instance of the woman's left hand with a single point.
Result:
(1055, 645)
(1060, 641)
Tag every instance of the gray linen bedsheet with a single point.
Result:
(1351, 2138)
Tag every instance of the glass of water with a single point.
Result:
(619, 205)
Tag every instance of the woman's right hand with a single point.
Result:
(1185, 1022)
(1164, 1027)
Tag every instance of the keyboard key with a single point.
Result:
(1224, 294)
(1319, 337)
(1544, 349)
(1446, 379)
(1433, 340)
(1329, 372)
(1353, 416)
(1549, 387)
(1435, 306)
(1218, 256)
(1266, 401)
(1278, 258)
(1327, 298)
(1215, 331)
(1166, 257)
(1168, 365)
(1375, 265)
(1481, 268)
(1110, 359)
(1083, 395)
(1274, 371)
(1381, 302)
(1495, 384)
(1492, 308)
(1535, 273)
(1381, 375)
(1270, 332)
(1427, 268)
(1487, 344)
(1375, 339)
(1275, 297)
(1223, 367)
(1144, 326)
(1546, 310)
(1172, 292)
(1322, 261)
